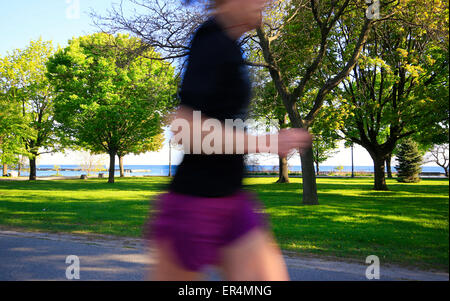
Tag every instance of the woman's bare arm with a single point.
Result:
(242, 142)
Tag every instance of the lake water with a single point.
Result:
(163, 170)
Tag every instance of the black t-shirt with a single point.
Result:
(216, 82)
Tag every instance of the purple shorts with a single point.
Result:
(199, 226)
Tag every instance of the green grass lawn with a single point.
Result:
(407, 225)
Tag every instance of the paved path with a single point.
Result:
(40, 256)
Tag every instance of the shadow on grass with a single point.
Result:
(92, 206)
(114, 216)
(407, 224)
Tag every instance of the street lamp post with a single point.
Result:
(353, 174)
(170, 155)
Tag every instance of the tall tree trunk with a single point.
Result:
(19, 169)
(283, 162)
(33, 168)
(380, 181)
(5, 170)
(121, 167)
(112, 163)
(284, 171)
(444, 167)
(309, 179)
(388, 166)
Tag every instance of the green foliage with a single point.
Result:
(325, 140)
(29, 102)
(322, 149)
(409, 162)
(12, 129)
(399, 87)
(150, 144)
(266, 103)
(434, 96)
(26, 123)
(109, 101)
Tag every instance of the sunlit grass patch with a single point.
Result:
(406, 225)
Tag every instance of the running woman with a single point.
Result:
(206, 217)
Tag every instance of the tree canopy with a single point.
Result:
(392, 93)
(109, 101)
(27, 96)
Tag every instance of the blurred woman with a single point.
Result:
(206, 218)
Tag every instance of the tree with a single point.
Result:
(325, 140)
(409, 162)
(439, 154)
(22, 164)
(12, 131)
(295, 45)
(301, 52)
(166, 28)
(26, 86)
(388, 95)
(11, 124)
(266, 106)
(322, 151)
(435, 90)
(108, 101)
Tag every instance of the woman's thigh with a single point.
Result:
(254, 256)
(168, 267)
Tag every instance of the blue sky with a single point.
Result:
(56, 20)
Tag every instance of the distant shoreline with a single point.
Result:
(251, 175)
(163, 170)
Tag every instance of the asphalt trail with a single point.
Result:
(33, 256)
